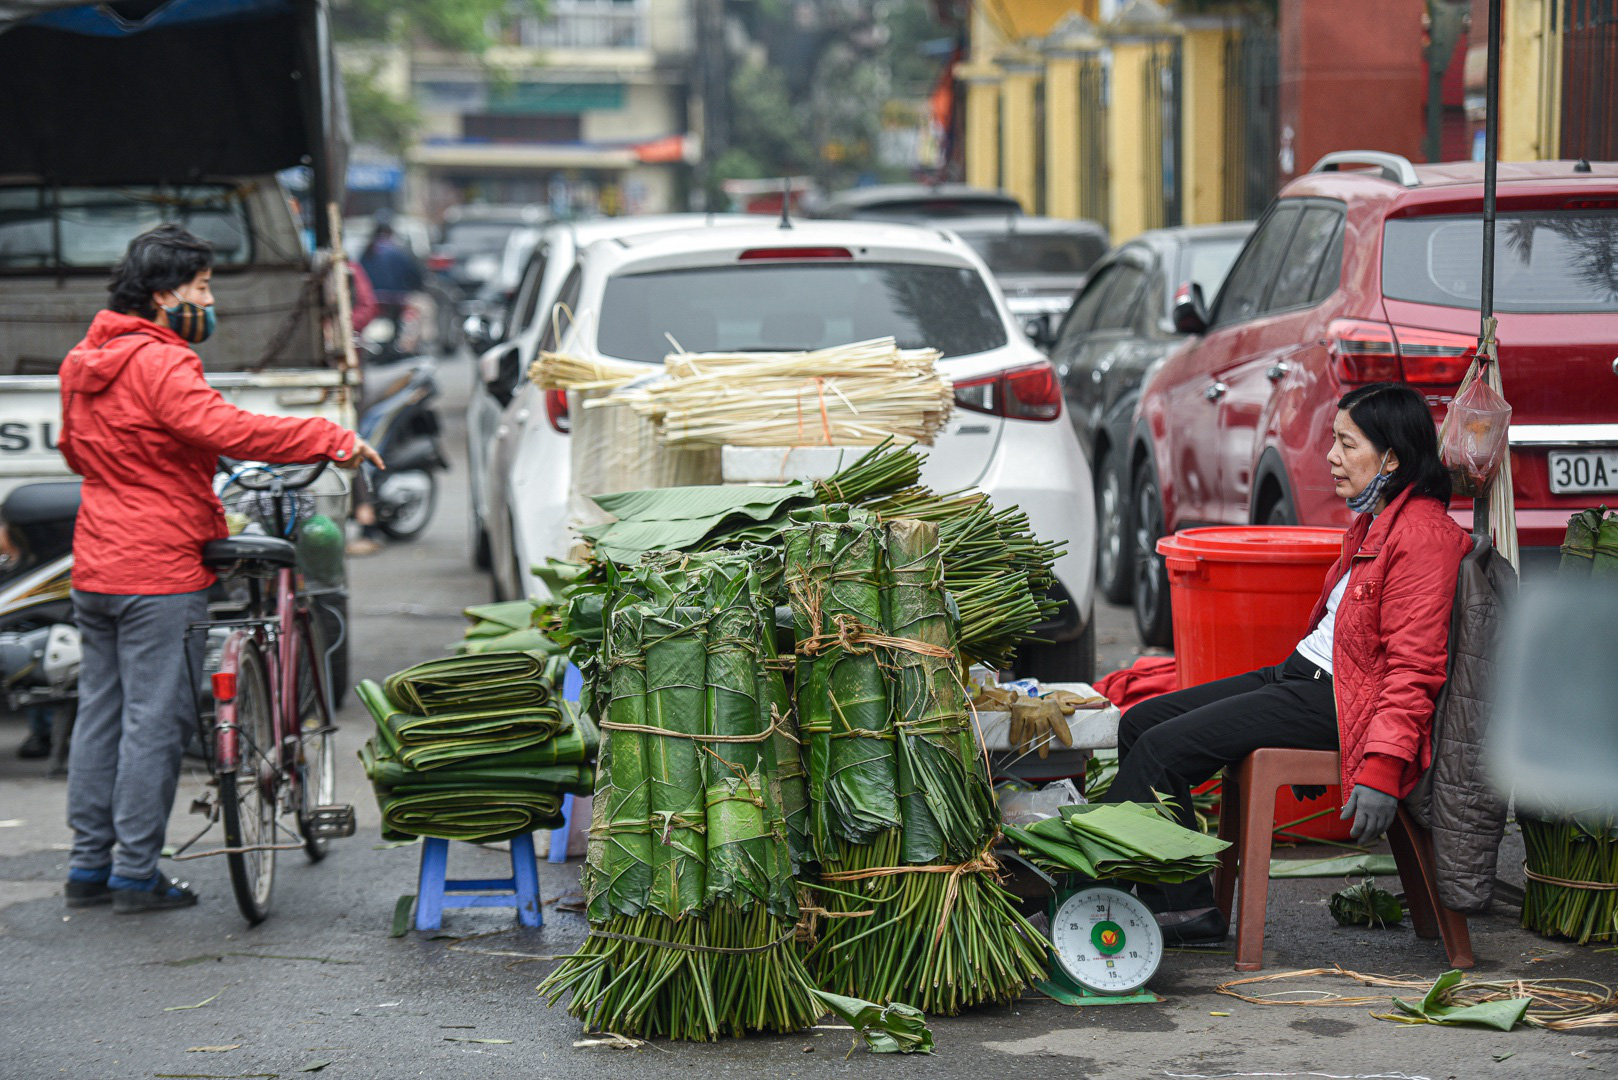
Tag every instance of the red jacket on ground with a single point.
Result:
(144, 429)
(1390, 644)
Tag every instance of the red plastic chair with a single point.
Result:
(1248, 797)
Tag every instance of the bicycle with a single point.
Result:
(269, 740)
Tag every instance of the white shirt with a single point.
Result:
(1317, 646)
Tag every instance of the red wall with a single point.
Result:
(1352, 78)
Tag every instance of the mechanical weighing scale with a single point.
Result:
(1106, 946)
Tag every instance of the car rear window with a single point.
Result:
(1032, 253)
(788, 306)
(71, 228)
(1544, 261)
(479, 237)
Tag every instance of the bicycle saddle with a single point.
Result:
(268, 551)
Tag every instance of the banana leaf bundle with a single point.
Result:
(1605, 562)
(1130, 841)
(688, 879)
(916, 913)
(489, 799)
(490, 681)
(1579, 544)
(1572, 871)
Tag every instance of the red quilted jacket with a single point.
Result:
(1391, 640)
(144, 429)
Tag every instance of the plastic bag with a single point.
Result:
(1473, 441)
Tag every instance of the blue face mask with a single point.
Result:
(1366, 499)
(193, 322)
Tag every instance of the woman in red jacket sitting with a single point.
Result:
(145, 430)
(1365, 678)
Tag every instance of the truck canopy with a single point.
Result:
(171, 91)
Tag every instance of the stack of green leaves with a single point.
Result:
(481, 775)
(902, 815)
(1130, 841)
(689, 875)
(506, 681)
(1572, 870)
(509, 626)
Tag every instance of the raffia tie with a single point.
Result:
(983, 863)
(1546, 879)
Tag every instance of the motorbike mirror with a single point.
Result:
(378, 330)
(1190, 313)
(476, 329)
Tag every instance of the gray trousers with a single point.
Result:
(137, 709)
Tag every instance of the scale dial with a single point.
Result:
(1106, 940)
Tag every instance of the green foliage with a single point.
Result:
(454, 24)
(375, 116)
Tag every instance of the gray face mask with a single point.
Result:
(1373, 491)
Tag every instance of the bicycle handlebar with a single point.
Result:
(255, 477)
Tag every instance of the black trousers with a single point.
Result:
(1172, 743)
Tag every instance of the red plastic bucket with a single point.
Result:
(1241, 597)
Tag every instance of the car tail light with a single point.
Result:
(1434, 356)
(440, 263)
(1023, 393)
(556, 410)
(224, 685)
(1363, 352)
(1366, 352)
(753, 254)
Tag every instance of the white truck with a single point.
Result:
(118, 117)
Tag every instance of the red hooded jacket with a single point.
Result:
(144, 429)
(1390, 644)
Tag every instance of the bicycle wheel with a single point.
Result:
(248, 796)
(317, 750)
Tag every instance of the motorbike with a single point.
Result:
(39, 644)
(403, 428)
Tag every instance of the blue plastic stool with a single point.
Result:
(520, 890)
(572, 683)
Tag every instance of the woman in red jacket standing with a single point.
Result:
(1363, 681)
(145, 430)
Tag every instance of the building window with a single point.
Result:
(482, 127)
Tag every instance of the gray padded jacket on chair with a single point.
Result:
(1455, 799)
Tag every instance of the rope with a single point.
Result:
(1598, 886)
(645, 729)
(983, 863)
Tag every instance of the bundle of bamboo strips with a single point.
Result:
(857, 394)
(558, 371)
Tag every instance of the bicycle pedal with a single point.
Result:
(331, 821)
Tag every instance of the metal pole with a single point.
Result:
(1488, 348)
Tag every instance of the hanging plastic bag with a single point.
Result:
(1473, 440)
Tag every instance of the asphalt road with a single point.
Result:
(87, 994)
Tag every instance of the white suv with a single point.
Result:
(774, 287)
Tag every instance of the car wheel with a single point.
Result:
(1114, 551)
(1060, 661)
(1281, 513)
(1153, 618)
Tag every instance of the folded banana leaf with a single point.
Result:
(744, 866)
(683, 518)
(389, 774)
(676, 648)
(527, 639)
(1579, 545)
(622, 876)
(475, 815)
(487, 682)
(1605, 563)
(949, 808)
(833, 578)
(1131, 841)
(556, 735)
(502, 617)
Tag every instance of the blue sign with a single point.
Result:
(364, 176)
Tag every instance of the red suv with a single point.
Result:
(1369, 276)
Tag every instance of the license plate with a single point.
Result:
(1590, 470)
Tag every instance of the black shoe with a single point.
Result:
(87, 893)
(1209, 928)
(34, 747)
(164, 893)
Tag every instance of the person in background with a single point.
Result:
(393, 271)
(1365, 679)
(145, 430)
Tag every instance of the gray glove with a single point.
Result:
(1372, 811)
